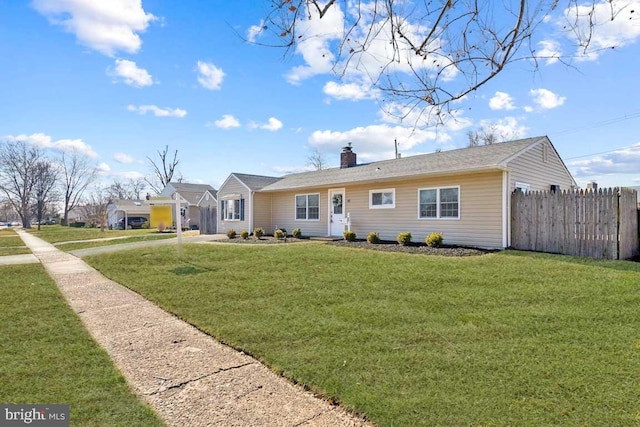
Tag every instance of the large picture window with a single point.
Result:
(307, 207)
(382, 199)
(439, 203)
(232, 209)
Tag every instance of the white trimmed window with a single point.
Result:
(523, 187)
(382, 199)
(439, 203)
(308, 207)
(232, 209)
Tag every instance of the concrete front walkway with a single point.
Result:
(185, 375)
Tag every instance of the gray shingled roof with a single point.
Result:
(256, 182)
(483, 157)
(192, 193)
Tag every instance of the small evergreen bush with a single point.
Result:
(297, 233)
(373, 238)
(434, 240)
(279, 234)
(231, 233)
(404, 238)
(258, 232)
(244, 234)
(349, 236)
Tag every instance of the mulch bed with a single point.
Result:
(385, 246)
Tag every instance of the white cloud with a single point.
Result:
(123, 158)
(501, 101)
(549, 52)
(272, 125)
(131, 73)
(605, 33)
(210, 76)
(157, 111)
(349, 91)
(227, 122)
(254, 31)
(64, 145)
(106, 26)
(129, 174)
(546, 99)
(432, 117)
(375, 142)
(624, 161)
(103, 168)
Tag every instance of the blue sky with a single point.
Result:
(119, 80)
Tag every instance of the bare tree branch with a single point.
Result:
(163, 170)
(18, 175)
(77, 174)
(427, 54)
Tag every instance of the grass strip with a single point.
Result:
(59, 233)
(93, 244)
(48, 357)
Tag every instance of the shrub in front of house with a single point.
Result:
(373, 238)
(279, 234)
(349, 236)
(258, 232)
(297, 233)
(434, 240)
(404, 238)
(244, 234)
(231, 233)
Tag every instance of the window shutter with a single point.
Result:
(222, 210)
(241, 209)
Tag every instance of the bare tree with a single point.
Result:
(77, 174)
(424, 55)
(95, 207)
(317, 160)
(163, 170)
(490, 134)
(18, 172)
(46, 177)
(129, 190)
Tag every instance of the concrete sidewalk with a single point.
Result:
(185, 375)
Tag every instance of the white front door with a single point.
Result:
(337, 214)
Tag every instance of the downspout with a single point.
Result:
(506, 211)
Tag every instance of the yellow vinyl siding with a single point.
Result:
(530, 168)
(233, 186)
(480, 222)
(262, 211)
(283, 213)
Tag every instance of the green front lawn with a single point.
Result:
(71, 246)
(502, 339)
(47, 356)
(11, 243)
(59, 233)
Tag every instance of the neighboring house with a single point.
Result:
(195, 196)
(121, 208)
(77, 214)
(242, 195)
(464, 193)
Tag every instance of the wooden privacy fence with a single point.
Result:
(597, 224)
(208, 220)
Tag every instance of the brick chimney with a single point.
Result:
(592, 186)
(347, 157)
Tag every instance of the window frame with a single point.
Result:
(306, 207)
(236, 216)
(439, 204)
(523, 186)
(382, 191)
